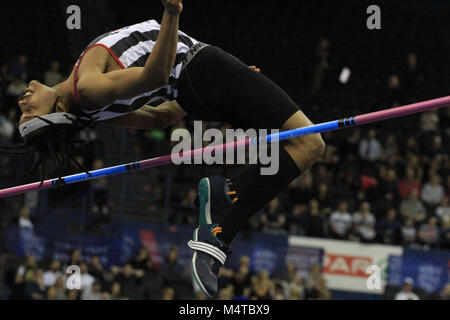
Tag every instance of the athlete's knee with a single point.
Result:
(317, 146)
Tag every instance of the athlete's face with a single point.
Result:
(37, 100)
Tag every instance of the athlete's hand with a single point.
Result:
(173, 7)
(254, 68)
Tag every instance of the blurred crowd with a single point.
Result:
(387, 187)
(141, 278)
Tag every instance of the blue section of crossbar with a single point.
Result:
(95, 174)
(289, 134)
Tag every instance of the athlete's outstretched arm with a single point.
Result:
(149, 117)
(99, 89)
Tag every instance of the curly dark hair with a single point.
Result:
(55, 142)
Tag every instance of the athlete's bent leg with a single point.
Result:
(304, 150)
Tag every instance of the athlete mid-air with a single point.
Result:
(118, 78)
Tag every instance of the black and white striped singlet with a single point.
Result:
(130, 47)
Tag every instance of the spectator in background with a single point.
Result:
(261, 285)
(341, 221)
(186, 209)
(394, 93)
(29, 264)
(364, 223)
(24, 218)
(432, 192)
(429, 232)
(444, 294)
(321, 174)
(412, 146)
(130, 280)
(443, 211)
(100, 191)
(72, 295)
(407, 291)
(7, 125)
(142, 261)
(429, 121)
(172, 269)
(16, 88)
(413, 208)
(408, 183)
(296, 221)
(105, 296)
(295, 288)
(389, 182)
(413, 76)
(18, 67)
(316, 284)
(60, 292)
(276, 221)
(386, 202)
(116, 292)
(96, 270)
(445, 235)
(322, 65)
(390, 147)
(75, 257)
(92, 294)
(304, 190)
(435, 148)
(277, 292)
(447, 185)
(408, 233)
(242, 280)
(51, 275)
(325, 198)
(226, 293)
(370, 148)
(349, 146)
(51, 293)
(92, 148)
(34, 285)
(389, 227)
(315, 223)
(53, 76)
(18, 287)
(289, 272)
(168, 294)
(87, 280)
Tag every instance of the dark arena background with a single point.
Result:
(370, 220)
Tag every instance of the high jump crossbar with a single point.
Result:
(285, 135)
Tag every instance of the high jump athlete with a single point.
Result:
(121, 73)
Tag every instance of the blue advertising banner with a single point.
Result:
(267, 252)
(26, 241)
(304, 258)
(430, 270)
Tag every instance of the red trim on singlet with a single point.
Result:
(77, 68)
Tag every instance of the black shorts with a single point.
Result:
(216, 86)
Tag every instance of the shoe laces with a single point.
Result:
(232, 194)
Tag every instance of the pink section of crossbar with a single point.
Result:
(25, 188)
(402, 111)
(149, 163)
